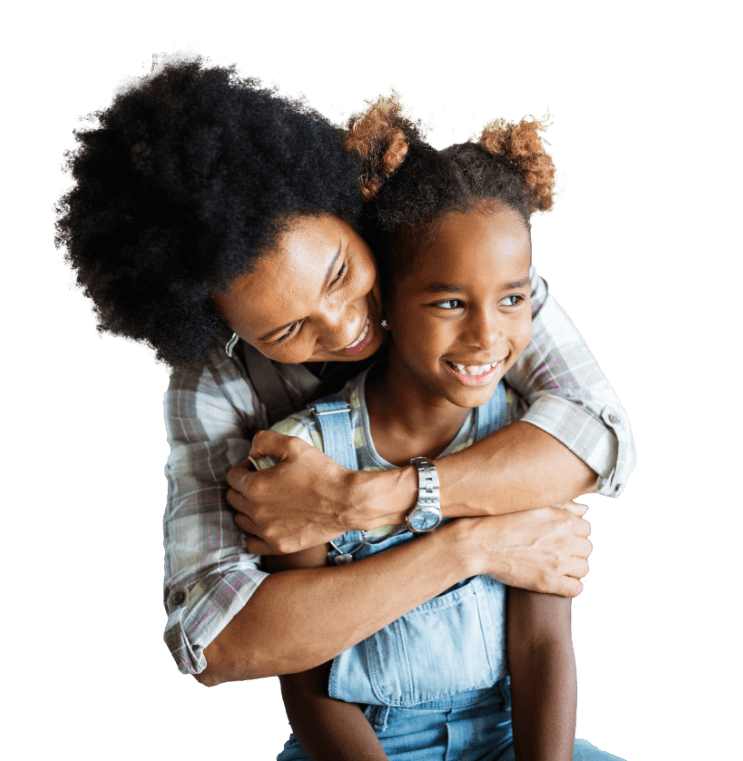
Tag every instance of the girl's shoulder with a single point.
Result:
(301, 424)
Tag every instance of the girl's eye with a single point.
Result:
(449, 304)
(293, 328)
(512, 301)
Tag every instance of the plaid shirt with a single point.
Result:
(212, 413)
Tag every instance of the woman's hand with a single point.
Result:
(303, 501)
(544, 550)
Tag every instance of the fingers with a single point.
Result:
(246, 524)
(569, 587)
(574, 507)
(257, 546)
(239, 479)
(270, 443)
(582, 548)
(582, 528)
(577, 568)
(237, 500)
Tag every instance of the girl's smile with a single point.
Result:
(473, 375)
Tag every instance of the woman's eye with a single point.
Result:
(341, 273)
(290, 331)
(512, 301)
(450, 304)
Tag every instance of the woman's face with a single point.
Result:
(313, 298)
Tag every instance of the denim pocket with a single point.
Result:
(452, 643)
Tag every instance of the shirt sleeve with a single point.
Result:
(568, 395)
(210, 417)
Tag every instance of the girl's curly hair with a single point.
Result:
(410, 186)
(183, 183)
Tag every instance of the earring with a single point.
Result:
(384, 323)
(231, 344)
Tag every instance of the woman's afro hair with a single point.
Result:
(409, 186)
(181, 185)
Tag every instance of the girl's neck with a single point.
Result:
(407, 420)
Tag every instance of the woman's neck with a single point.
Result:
(407, 420)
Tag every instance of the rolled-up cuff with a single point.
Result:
(198, 611)
(600, 443)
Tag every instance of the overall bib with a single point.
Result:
(434, 683)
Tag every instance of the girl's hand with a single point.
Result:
(303, 501)
(542, 550)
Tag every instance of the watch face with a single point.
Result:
(425, 520)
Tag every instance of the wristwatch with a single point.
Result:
(426, 515)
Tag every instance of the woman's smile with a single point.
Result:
(363, 339)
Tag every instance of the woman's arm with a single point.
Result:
(327, 729)
(299, 619)
(574, 438)
(543, 683)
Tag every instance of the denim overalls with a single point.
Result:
(433, 684)
(454, 643)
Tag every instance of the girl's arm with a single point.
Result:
(327, 729)
(543, 682)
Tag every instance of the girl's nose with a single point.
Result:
(483, 330)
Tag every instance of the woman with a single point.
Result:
(215, 221)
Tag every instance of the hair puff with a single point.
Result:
(380, 139)
(522, 144)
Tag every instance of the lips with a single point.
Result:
(362, 339)
(473, 375)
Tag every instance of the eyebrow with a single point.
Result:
(457, 288)
(328, 275)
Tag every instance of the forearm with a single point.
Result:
(299, 619)
(543, 679)
(327, 729)
(519, 467)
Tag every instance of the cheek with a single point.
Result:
(524, 334)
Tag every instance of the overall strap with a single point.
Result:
(492, 415)
(268, 384)
(334, 418)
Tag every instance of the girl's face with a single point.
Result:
(314, 298)
(462, 316)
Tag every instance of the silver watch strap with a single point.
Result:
(428, 482)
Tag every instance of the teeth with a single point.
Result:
(473, 369)
(363, 335)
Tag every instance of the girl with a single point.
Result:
(198, 196)
(453, 232)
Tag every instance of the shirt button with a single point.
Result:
(613, 418)
(178, 598)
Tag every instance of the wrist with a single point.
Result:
(460, 538)
(384, 497)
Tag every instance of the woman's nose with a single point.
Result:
(340, 327)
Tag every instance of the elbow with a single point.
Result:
(210, 677)
(223, 666)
